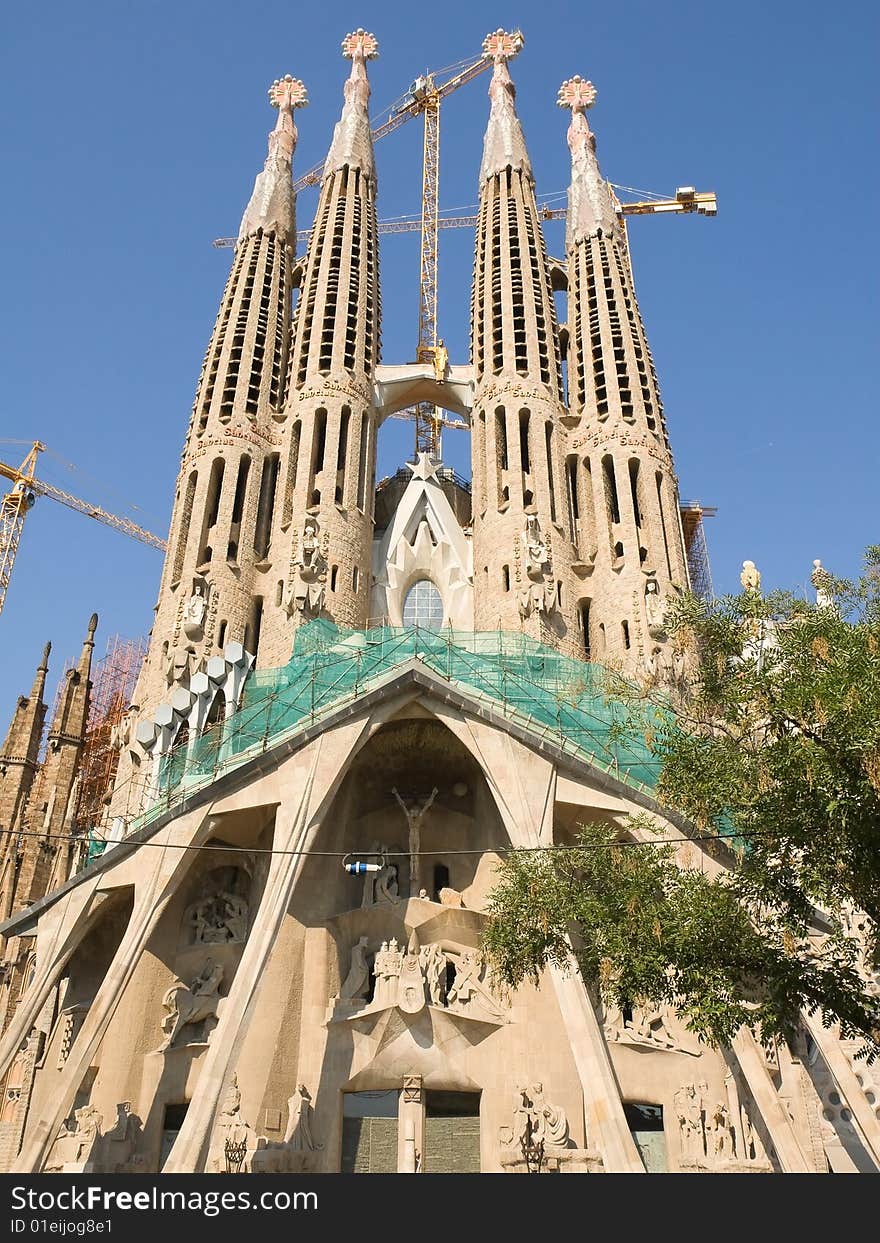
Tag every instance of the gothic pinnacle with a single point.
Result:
(352, 144)
(272, 205)
(504, 145)
(590, 203)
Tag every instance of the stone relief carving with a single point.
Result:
(194, 611)
(188, 1005)
(535, 1118)
(299, 1135)
(539, 592)
(415, 814)
(716, 1134)
(295, 1153)
(648, 1026)
(76, 1141)
(307, 590)
(218, 919)
(381, 888)
(654, 609)
(357, 981)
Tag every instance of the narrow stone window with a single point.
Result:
(265, 506)
(221, 635)
(355, 580)
(255, 622)
(334, 576)
(659, 481)
(292, 464)
(584, 617)
(244, 466)
(551, 475)
(441, 880)
(212, 507)
(341, 454)
(624, 626)
(571, 491)
(524, 454)
(185, 519)
(505, 577)
(362, 463)
(319, 444)
(611, 498)
(634, 490)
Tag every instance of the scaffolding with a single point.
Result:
(554, 697)
(113, 682)
(696, 549)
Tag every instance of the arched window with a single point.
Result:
(423, 605)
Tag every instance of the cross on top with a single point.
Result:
(577, 94)
(288, 92)
(360, 43)
(502, 45)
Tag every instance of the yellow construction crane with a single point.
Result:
(21, 498)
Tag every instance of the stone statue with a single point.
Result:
(179, 664)
(414, 817)
(381, 888)
(411, 979)
(219, 919)
(299, 1136)
(654, 609)
(306, 593)
(194, 613)
(822, 581)
(441, 361)
(434, 967)
(187, 1006)
(77, 1138)
(468, 986)
(536, 1119)
(750, 577)
(539, 595)
(358, 978)
(386, 970)
(122, 732)
(689, 1109)
(721, 1133)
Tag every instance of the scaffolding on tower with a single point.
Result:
(696, 549)
(113, 683)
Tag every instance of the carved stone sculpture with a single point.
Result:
(470, 987)
(750, 578)
(307, 591)
(194, 613)
(415, 814)
(77, 1139)
(381, 888)
(535, 1119)
(411, 979)
(434, 968)
(539, 592)
(386, 970)
(219, 919)
(358, 978)
(299, 1135)
(654, 609)
(189, 1005)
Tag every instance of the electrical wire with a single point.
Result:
(553, 848)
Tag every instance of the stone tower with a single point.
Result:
(219, 549)
(524, 557)
(623, 508)
(38, 856)
(324, 519)
(20, 753)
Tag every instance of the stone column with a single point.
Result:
(779, 1126)
(850, 1088)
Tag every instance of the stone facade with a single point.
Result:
(309, 994)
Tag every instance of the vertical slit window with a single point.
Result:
(551, 477)
(611, 498)
(363, 448)
(244, 467)
(185, 519)
(292, 464)
(319, 444)
(255, 622)
(571, 491)
(212, 507)
(584, 617)
(634, 489)
(342, 454)
(659, 482)
(265, 506)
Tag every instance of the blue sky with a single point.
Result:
(132, 137)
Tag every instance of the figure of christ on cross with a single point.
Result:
(414, 816)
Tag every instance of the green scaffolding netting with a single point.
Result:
(553, 695)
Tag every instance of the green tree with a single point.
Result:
(771, 755)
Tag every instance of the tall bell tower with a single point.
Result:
(622, 492)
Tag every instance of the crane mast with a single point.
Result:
(15, 505)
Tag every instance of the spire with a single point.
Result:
(272, 206)
(352, 144)
(18, 758)
(71, 714)
(590, 203)
(504, 145)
